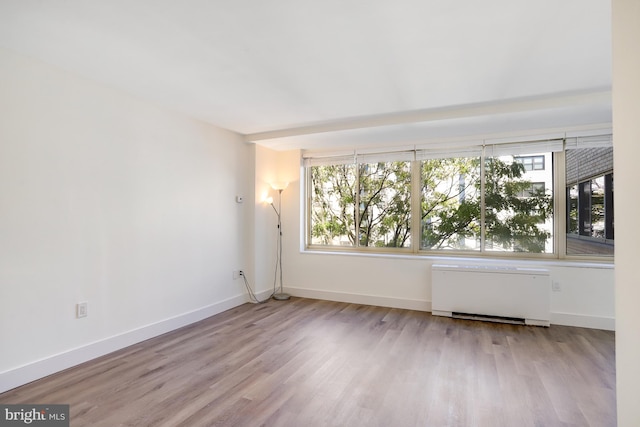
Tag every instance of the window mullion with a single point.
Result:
(483, 233)
(416, 204)
(357, 206)
(308, 208)
(560, 204)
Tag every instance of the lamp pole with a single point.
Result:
(280, 296)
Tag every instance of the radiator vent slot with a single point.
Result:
(484, 318)
(496, 293)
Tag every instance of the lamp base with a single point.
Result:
(281, 297)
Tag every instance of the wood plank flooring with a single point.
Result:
(318, 363)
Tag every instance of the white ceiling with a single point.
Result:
(324, 73)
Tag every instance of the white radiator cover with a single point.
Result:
(507, 292)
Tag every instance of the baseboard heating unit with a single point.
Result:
(501, 294)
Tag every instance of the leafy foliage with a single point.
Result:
(377, 198)
(383, 200)
(385, 204)
(514, 222)
(333, 203)
(450, 202)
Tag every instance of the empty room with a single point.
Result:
(321, 213)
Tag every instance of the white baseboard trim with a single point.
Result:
(583, 321)
(408, 304)
(564, 319)
(39, 369)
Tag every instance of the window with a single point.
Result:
(480, 199)
(534, 189)
(382, 193)
(333, 205)
(531, 163)
(518, 212)
(384, 218)
(589, 188)
(450, 208)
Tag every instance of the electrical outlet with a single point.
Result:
(555, 286)
(81, 310)
(241, 273)
(237, 274)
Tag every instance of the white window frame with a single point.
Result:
(418, 153)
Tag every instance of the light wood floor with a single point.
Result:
(317, 363)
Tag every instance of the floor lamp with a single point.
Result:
(280, 296)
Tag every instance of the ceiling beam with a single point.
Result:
(514, 105)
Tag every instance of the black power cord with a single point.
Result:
(252, 296)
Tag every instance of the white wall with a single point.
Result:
(586, 296)
(626, 152)
(108, 199)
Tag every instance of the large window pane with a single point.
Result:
(368, 204)
(590, 201)
(333, 201)
(483, 199)
(519, 204)
(385, 204)
(450, 205)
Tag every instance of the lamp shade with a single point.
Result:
(279, 185)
